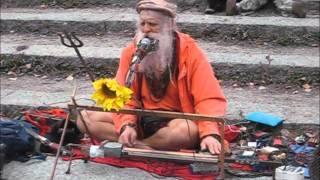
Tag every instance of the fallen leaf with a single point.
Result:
(28, 66)
(44, 77)
(12, 73)
(303, 78)
(36, 75)
(69, 78)
(235, 85)
(13, 79)
(43, 6)
(262, 88)
(295, 92)
(21, 48)
(307, 90)
(306, 86)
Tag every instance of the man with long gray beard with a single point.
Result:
(176, 77)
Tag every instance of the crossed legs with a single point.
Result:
(179, 134)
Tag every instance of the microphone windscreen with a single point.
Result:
(145, 43)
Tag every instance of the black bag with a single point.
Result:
(18, 143)
(51, 123)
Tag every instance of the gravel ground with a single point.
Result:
(81, 171)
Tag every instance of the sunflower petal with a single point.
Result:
(123, 94)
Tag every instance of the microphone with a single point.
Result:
(145, 46)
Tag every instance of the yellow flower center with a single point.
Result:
(110, 95)
(108, 92)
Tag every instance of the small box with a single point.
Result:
(289, 172)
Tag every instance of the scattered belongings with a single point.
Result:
(261, 147)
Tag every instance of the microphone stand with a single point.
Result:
(130, 76)
(145, 46)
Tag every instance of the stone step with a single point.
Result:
(276, 30)
(299, 107)
(312, 6)
(46, 55)
(182, 4)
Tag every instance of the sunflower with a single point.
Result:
(110, 95)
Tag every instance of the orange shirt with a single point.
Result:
(169, 102)
(198, 90)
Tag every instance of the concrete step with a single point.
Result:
(46, 55)
(31, 91)
(276, 30)
(312, 6)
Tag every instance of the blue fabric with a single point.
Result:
(303, 149)
(306, 172)
(296, 148)
(18, 142)
(264, 118)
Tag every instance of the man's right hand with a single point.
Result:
(128, 137)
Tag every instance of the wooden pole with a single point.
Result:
(62, 138)
(221, 156)
(157, 113)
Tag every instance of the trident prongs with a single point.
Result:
(70, 36)
(75, 43)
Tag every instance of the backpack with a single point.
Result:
(18, 143)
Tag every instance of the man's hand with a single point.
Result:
(128, 137)
(212, 144)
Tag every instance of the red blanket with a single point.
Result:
(162, 168)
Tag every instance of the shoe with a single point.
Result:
(209, 11)
(231, 8)
(298, 9)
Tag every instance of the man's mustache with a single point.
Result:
(152, 35)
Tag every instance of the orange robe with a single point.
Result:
(198, 90)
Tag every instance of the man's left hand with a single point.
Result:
(212, 144)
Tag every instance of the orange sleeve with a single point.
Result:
(125, 59)
(206, 92)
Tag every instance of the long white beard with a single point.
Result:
(155, 63)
